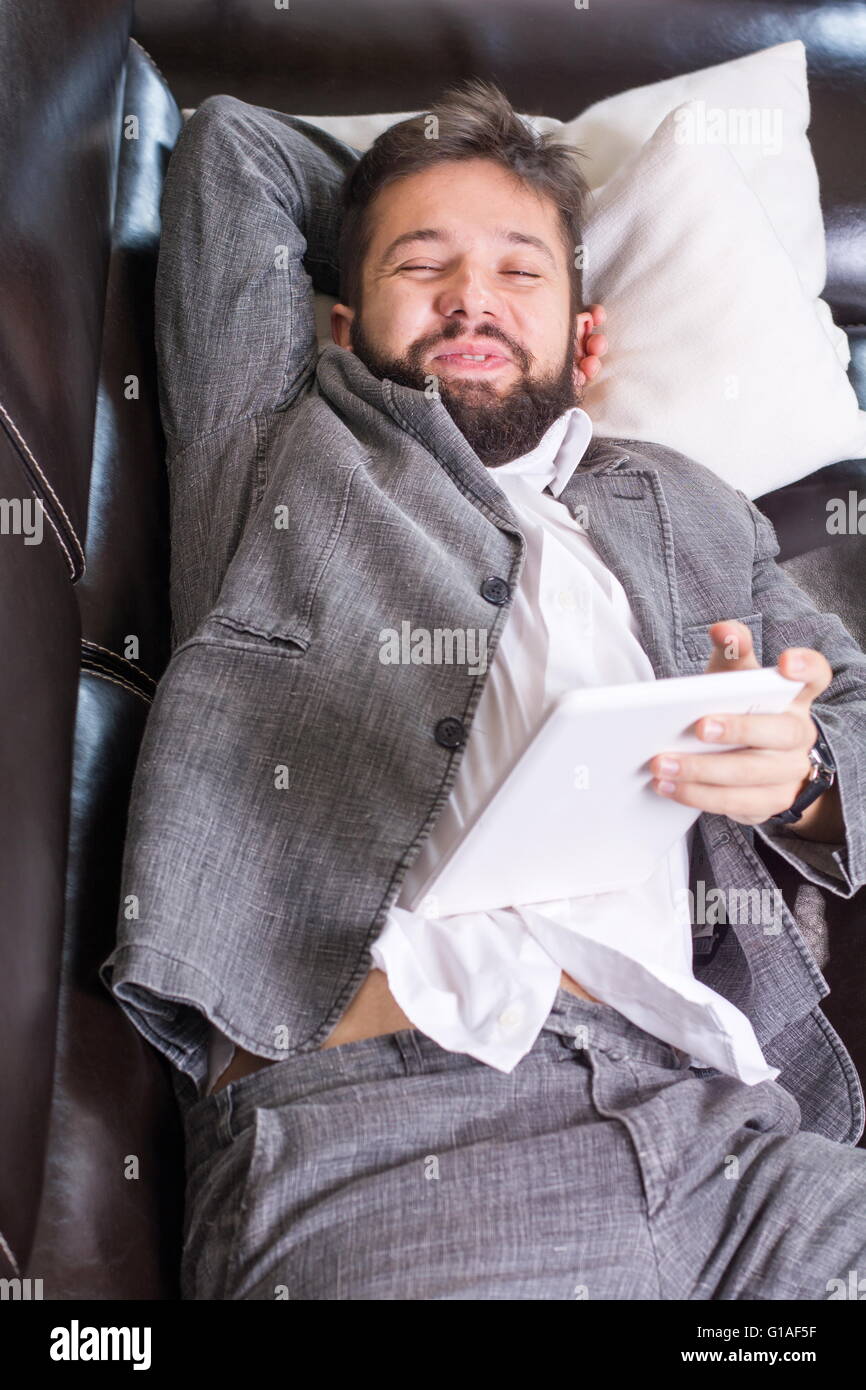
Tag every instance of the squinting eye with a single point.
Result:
(529, 275)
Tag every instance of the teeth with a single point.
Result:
(473, 357)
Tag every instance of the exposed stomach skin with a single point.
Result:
(373, 1010)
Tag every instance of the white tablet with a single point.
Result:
(577, 814)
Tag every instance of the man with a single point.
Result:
(544, 1101)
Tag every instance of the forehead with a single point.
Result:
(468, 198)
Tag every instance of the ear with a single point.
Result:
(341, 323)
(583, 326)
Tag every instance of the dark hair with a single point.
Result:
(475, 121)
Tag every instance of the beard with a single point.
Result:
(497, 427)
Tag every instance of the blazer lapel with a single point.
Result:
(625, 515)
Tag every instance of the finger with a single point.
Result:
(753, 768)
(786, 730)
(590, 366)
(733, 649)
(749, 806)
(593, 350)
(816, 672)
(596, 345)
(599, 314)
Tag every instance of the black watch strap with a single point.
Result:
(824, 776)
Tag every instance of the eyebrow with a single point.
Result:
(507, 234)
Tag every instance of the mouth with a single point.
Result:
(471, 362)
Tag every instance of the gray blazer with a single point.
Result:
(287, 778)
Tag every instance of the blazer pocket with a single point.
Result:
(698, 645)
(290, 639)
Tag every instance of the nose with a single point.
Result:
(469, 295)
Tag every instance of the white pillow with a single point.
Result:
(759, 105)
(715, 348)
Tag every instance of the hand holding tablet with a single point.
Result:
(766, 779)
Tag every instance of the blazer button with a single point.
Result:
(496, 590)
(450, 733)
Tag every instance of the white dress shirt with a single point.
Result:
(484, 982)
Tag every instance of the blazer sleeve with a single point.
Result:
(790, 619)
(250, 206)
(250, 227)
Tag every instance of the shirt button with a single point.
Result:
(512, 1017)
(496, 590)
(450, 732)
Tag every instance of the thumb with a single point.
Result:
(732, 647)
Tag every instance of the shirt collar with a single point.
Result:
(556, 455)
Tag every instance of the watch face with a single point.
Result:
(824, 754)
(822, 773)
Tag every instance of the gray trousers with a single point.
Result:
(602, 1167)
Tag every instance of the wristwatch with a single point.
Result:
(821, 776)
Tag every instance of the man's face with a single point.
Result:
(465, 259)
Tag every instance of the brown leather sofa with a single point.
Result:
(91, 1170)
